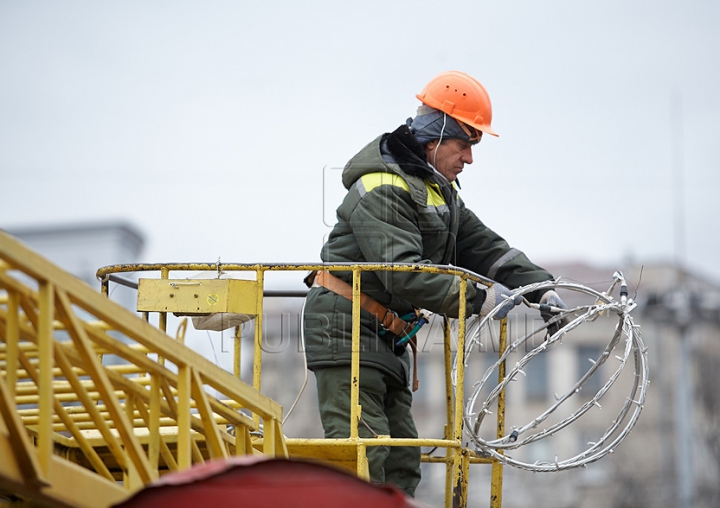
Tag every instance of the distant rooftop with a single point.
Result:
(130, 233)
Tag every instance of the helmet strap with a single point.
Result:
(475, 136)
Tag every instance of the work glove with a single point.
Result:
(552, 299)
(493, 296)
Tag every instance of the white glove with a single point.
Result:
(494, 295)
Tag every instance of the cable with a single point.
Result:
(302, 344)
(442, 131)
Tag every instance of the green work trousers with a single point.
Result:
(385, 405)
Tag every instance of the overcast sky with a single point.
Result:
(219, 128)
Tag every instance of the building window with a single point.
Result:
(536, 377)
(584, 355)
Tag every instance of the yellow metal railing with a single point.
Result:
(78, 431)
(457, 458)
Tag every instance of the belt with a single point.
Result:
(388, 318)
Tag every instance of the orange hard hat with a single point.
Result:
(460, 96)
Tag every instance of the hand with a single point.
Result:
(496, 294)
(552, 299)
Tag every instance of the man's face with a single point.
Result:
(449, 157)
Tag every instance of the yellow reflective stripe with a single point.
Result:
(373, 180)
(435, 197)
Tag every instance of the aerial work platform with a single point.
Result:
(96, 402)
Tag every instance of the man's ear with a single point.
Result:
(430, 146)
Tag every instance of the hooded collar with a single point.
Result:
(407, 152)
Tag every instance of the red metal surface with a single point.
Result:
(256, 482)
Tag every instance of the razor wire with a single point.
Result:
(634, 352)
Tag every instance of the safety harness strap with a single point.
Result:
(388, 318)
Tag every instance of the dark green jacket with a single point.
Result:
(399, 210)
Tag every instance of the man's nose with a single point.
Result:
(467, 156)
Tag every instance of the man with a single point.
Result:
(403, 206)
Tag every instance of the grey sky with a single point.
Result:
(218, 128)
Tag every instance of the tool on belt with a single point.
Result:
(404, 328)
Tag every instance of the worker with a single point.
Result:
(403, 206)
